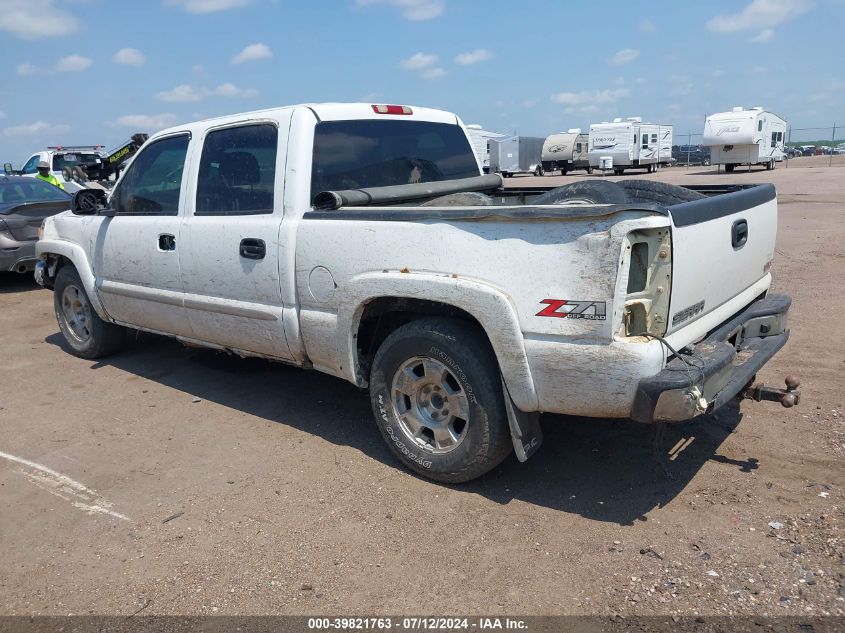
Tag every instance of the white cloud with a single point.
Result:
(587, 109)
(477, 56)
(73, 64)
(418, 61)
(35, 19)
(151, 122)
(414, 10)
(208, 6)
(231, 90)
(252, 52)
(718, 73)
(680, 86)
(199, 69)
(760, 14)
(433, 73)
(129, 57)
(585, 97)
(26, 69)
(180, 94)
(34, 129)
(646, 26)
(625, 56)
(186, 93)
(763, 36)
(2, 114)
(619, 81)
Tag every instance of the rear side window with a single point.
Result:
(358, 154)
(238, 171)
(152, 184)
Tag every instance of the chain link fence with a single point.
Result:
(822, 146)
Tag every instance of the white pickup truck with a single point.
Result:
(363, 241)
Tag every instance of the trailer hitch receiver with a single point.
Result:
(788, 397)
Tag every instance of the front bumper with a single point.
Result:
(708, 374)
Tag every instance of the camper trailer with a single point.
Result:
(566, 151)
(479, 140)
(516, 155)
(630, 144)
(745, 137)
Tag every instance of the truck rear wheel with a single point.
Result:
(86, 334)
(438, 402)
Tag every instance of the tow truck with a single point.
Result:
(82, 166)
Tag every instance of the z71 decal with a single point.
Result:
(565, 309)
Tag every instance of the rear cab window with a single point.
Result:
(364, 153)
(75, 159)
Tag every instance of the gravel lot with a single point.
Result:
(182, 481)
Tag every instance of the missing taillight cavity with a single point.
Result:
(638, 272)
(648, 264)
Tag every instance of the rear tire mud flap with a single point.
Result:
(525, 428)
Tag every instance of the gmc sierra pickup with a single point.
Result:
(363, 241)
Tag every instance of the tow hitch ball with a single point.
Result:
(788, 397)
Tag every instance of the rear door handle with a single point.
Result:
(739, 233)
(253, 248)
(166, 242)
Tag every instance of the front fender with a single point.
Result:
(489, 306)
(76, 255)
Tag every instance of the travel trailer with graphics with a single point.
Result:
(745, 137)
(566, 152)
(631, 144)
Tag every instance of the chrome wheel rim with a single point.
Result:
(431, 405)
(77, 313)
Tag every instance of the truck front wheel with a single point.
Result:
(86, 334)
(437, 398)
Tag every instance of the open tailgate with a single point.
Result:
(721, 245)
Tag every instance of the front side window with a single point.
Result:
(152, 184)
(31, 166)
(380, 153)
(238, 171)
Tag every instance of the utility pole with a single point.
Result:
(832, 143)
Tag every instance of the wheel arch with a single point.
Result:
(59, 254)
(383, 303)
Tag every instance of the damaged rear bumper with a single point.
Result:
(709, 374)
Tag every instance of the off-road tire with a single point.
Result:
(103, 339)
(466, 354)
(586, 191)
(657, 192)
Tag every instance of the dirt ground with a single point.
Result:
(168, 480)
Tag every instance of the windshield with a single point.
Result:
(60, 161)
(20, 192)
(359, 154)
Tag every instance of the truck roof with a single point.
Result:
(323, 112)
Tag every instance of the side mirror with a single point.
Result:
(91, 202)
(7, 169)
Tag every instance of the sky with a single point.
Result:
(97, 71)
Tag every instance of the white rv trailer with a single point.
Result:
(479, 140)
(566, 151)
(745, 137)
(631, 144)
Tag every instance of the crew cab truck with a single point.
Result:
(363, 241)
